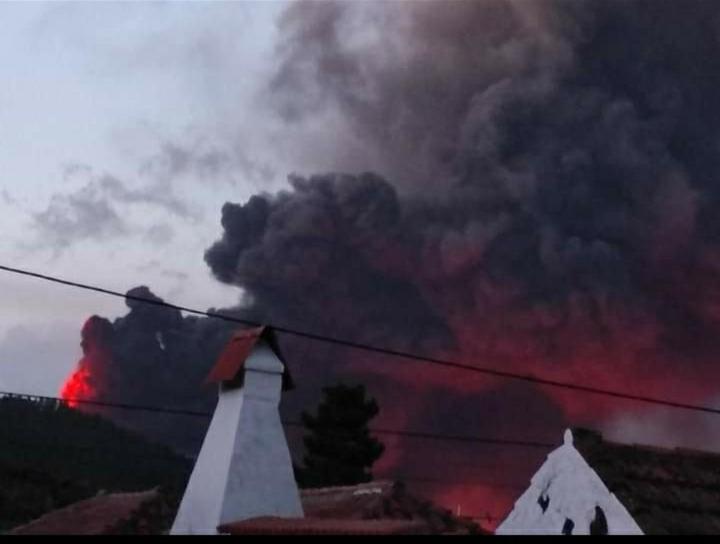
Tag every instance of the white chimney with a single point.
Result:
(244, 468)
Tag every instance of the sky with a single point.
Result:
(528, 186)
(101, 104)
(124, 128)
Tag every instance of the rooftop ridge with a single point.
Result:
(340, 489)
(100, 501)
(597, 438)
(277, 525)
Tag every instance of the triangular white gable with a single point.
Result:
(570, 490)
(244, 468)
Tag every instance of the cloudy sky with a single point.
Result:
(544, 197)
(547, 179)
(124, 127)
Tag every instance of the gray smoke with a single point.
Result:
(544, 201)
(550, 175)
(154, 357)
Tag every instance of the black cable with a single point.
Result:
(384, 351)
(159, 409)
(464, 438)
(393, 432)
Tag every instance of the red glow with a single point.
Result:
(77, 387)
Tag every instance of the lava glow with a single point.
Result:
(76, 387)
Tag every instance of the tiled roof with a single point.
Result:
(372, 508)
(667, 491)
(319, 526)
(362, 501)
(229, 366)
(381, 500)
(104, 514)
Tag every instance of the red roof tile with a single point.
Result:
(98, 515)
(372, 508)
(381, 500)
(232, 359)
(314, 526)
(230, 364)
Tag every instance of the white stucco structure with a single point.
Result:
(244, 468)
(569, 489)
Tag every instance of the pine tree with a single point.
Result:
(339, 447)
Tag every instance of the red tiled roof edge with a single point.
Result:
(232, 359)
(233, 356)
(316, 526)
(382, 484)
(69, 519)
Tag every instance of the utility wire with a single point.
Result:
(406, 478)
(118, 294)
(385, 431)
(171, 456)
(87, 451)
(383, 351)
(140, 407)
(464, 438)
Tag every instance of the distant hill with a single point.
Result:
(52, 455)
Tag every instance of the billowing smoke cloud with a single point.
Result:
(571, 151)
(547, 194)
(153, 357)
(544, 202)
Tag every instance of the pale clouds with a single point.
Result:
(153, 194)
(101, 207)
(34, 359)
(7, 197)
(156, 108)
(206, 160)
(159, 234)
(84, 214)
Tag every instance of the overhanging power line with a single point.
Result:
(570, 386)
(377, 430)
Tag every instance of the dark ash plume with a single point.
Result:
(570, 156)
(545, 202)
(547, 193)
(152, 357)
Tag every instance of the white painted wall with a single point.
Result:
(573, 489)
(244, 467)
(201, 504)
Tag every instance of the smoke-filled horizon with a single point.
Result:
(526, 185)
(548, 194)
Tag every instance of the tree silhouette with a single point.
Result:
(339, 447)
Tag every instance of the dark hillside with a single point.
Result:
(52, 455)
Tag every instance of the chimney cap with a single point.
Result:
(230, 366)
